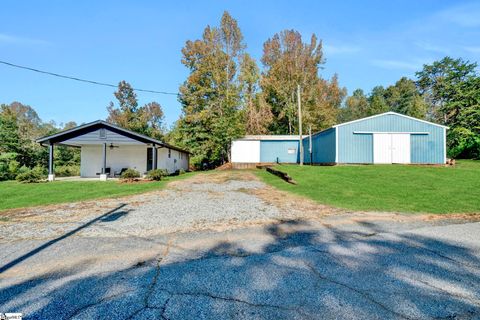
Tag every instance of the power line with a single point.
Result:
(81, 80)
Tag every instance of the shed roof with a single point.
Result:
(270, 137)
(387, 113)
(99, 124)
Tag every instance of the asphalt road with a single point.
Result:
(334, 267)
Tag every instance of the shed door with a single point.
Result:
(391, 148)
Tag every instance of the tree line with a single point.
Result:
(227, 94)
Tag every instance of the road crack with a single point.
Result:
(230, 299)
(100, 301)
(152, 285)
(365, 295)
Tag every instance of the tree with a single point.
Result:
(356, 107)
(9, 133)
(377, 101)
(210, 97)
(28, 128)
(147, 119)
(464, 133)
(438, 83)
(289, 62)
(404, 98)
(325, 107)
(124, 115)
(258, 114)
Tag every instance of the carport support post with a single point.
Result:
(103, 175)
(154, 156)
(51, 173)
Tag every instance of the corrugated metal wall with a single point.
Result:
(358, 148)
(323, 147)
(271, 150)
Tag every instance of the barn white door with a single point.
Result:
(391, 148)
(382, 148)
(400, 148)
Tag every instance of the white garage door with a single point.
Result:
(245, 151)
(391, 148)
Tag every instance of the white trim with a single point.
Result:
(336, 145)
(390, 112)
(444, 145)
(391, 132)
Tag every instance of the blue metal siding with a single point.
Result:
(270, 150)
(427, 148)
(355, 148)
(358, 148)
(323, 145)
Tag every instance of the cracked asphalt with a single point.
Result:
(295, 265)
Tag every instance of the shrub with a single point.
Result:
(67, 171)
(8, 166)
(181, 171)
(157, 174)
(23, 169)
(130, 174)
(30, 176)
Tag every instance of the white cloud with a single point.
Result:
(397, 64)
(340, 49)
(10, 39)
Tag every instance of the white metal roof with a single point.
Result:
(270, 137)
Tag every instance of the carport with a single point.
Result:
(107, 149)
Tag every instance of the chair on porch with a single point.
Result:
(119, 173)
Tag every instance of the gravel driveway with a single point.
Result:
(224, 245)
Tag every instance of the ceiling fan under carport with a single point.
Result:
(113, 146)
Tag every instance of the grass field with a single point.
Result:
(395, 188)
(17, 195)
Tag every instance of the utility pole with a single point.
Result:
(310, 144)
(300, 125)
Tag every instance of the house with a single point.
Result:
(106, 149)
(384, 138)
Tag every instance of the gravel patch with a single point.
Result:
(186, 206)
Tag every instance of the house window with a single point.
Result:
(169, 153)
(292, 151)
(102, 133)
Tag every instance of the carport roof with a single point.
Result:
(99, 124)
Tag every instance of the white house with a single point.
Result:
(107, 149)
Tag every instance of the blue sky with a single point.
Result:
(366, 43)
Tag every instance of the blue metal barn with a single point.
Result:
(385, 138)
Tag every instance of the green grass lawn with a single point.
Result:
(17, 195)
(397, 188)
